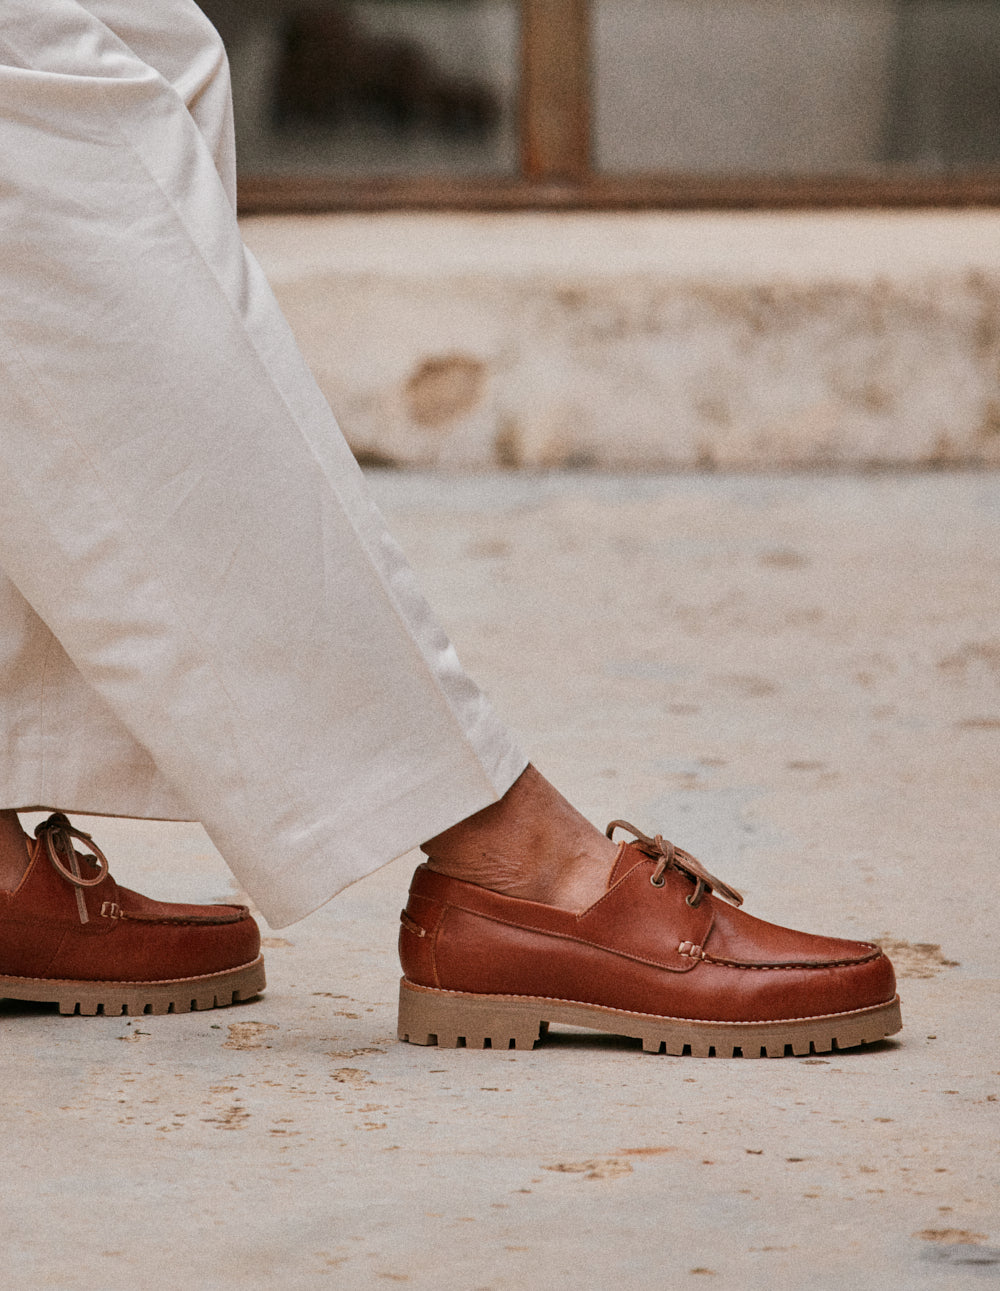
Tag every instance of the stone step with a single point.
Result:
(650, 340)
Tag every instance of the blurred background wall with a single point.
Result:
(633, 232)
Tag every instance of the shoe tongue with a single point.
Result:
(629, 856)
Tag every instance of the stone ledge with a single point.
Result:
(658, 340)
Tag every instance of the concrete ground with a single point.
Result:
(796, 678)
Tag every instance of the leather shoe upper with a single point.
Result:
(646, 946)
(93, 930)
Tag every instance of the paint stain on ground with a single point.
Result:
(603, 1168)
(274, 943)
(351, 1076)
(233, 1118)
(915, 959)
(950, 1236)
(249, 1035)
(353, 1053)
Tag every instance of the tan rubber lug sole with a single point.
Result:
(112, 999)
(452, 1019)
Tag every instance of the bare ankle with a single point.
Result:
(531, 844)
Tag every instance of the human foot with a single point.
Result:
(70, 935)
(660, 956)
(532, 844)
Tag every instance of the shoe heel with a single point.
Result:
(452, 1020)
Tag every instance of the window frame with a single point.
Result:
(555, 111)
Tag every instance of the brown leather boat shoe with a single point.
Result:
(70, 935)
(661, 957)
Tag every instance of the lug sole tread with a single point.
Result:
(453, 1019)
(140, 999)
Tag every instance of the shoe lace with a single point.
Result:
(668, 857)
(57, 834)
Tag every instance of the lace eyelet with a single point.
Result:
(657, 883)
(692, 903)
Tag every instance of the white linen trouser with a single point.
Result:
(202, 616)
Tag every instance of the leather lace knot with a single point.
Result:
(57, 834)
(667, 856)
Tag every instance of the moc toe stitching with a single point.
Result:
(181, 921)
(791, 965)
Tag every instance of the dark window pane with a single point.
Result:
(373, 87)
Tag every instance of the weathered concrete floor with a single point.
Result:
(799, 680)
